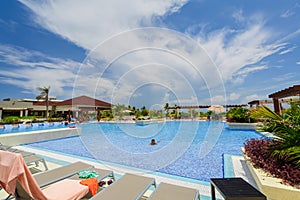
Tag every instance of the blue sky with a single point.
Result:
(142, 52)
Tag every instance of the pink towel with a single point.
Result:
(66, 189)
(13, 169)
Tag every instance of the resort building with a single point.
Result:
(34, 107)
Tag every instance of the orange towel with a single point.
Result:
(92, 183)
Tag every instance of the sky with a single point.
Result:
(150, 52)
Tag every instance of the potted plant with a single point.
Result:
(279, 155)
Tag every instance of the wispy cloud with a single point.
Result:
(238, 16)
(284, 77)
(237, 51)
(287, 13)
(285, 51)
(33, 69)
(234, 96)
(290, 12)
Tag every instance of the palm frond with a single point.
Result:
(291, 154)
(265, 112)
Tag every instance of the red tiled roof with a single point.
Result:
(43, 103)
(84, 100)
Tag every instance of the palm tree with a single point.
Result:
(44, 95)
(167, 109)
(286, 143)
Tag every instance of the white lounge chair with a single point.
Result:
(165, 191)
(128, 187)
(14, 171)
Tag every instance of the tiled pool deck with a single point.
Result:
(234, 166)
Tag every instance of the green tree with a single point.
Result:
(145, 112)
(167, 109)
(44, 95)
(286, 143)
(239, 115)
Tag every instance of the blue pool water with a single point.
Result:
(6, 129)
(187, 149)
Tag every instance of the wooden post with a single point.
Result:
(276, 106)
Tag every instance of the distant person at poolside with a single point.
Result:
(208, 118)
(153, 142)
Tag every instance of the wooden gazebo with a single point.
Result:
(258, 103)
(288, 92)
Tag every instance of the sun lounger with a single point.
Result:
(128, 187)
(102, 175)
(35, 159)
(65, 172)
(48, 177)
(165, 191)
(29, 157)
(11, 149)
(5, 147)
(14, 170)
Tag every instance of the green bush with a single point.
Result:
(28, 118)
(11, 120)
(241, 115)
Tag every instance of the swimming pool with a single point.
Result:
(9, 128)
(187, 149)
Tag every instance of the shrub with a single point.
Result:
(239, 115)
(11, 120)
(259, 153)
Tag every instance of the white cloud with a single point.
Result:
(287, 50)
(254, 96)
(251, 98)
(284, 77)
(287, 13)
(44, 71)
(234, 96)
(298, 63)
(248, 70)
(290, 12)
(238, 15)
(236, 50)
(185, 67)
(88, 23)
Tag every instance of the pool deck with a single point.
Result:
(236, 168)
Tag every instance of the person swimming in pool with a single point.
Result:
(153, 142)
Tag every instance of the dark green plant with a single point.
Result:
(11, 120)
(28, 117)
(239, 115)
(286, 143)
